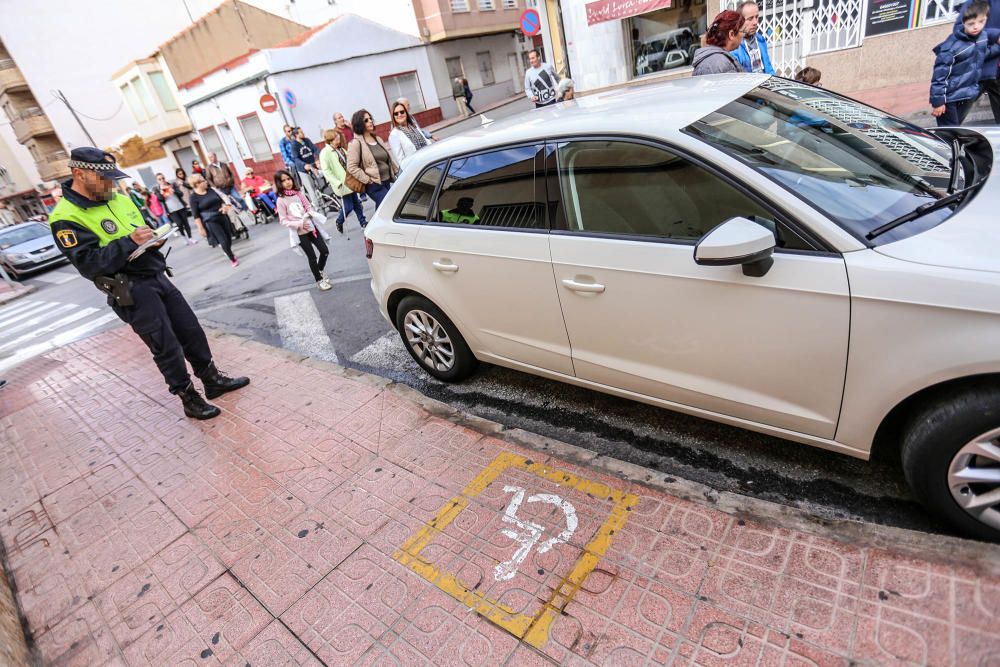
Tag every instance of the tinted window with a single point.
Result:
(23, 234)
(617, 187)
(418, 200)
(495, 189)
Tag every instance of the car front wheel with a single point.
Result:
(433, 341)
(951, 459)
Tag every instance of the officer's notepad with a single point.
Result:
(159, 234)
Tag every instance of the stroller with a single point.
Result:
(239, 219)
(321, 195)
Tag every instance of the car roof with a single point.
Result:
(659, 109)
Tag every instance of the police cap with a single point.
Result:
(94, 159)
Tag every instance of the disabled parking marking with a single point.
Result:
(533, 629)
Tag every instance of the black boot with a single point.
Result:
(195, 406)
(217, 384)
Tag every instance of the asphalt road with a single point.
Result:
(270, 298)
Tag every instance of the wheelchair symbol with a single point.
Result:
(528, 534)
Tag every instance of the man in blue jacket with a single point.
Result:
(988, 74)
(752, 52)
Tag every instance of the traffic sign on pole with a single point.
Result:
(268, 103)
(531, 23)
(289, 98)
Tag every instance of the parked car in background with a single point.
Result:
(28, 247)
(666, 50)
(742, 248)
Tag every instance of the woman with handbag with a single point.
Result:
(369, 159)
(295, 213)
(211, 215)
(333, 162)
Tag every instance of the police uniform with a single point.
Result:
(94, 236)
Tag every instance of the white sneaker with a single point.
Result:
(324, 284)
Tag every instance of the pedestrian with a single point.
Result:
(565, 89)
(98, 230)
(752, 49)
(306, 155)
(155, 204)
(722, 37)
(989, 82)
(196, 168)
(958, 65)
(211, 215)
(287, 147)
(405, 138)
(427, 135)
(175, 204)
(458, 93)
(809, 75)
(540, 81)
(294, 212)
(341, 124)
(369, 158)
(468, 94)
(137, 193)
(260, 190)
(222, 176)
(333, 162)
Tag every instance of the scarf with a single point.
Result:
(414, 135)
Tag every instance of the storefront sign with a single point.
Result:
(611, 10)
(889, 16)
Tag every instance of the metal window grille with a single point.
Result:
(938, 11)
(486, 5)
(797, 28)
(510, 4)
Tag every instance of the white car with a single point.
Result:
(742, 248)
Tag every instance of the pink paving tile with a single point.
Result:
(897, 582)
(81, 639)
(275, 645)
(185, 567)
(275, 574)
(761, 546)
(24, 526)
(891, 637)
(977, 649)
(977, 603)
(134, 604)
(67, 500)
(48, 583)
(716, 637)
(381, 422)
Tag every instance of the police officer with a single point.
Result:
(97, 229)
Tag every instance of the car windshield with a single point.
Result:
(19, 235)
(858, 165)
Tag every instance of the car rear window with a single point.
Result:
(418, 200)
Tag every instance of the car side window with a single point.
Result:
(493, 189)
(633, 189)
(418, 200)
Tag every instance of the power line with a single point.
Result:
(121, 103)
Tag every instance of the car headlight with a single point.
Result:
(18, 257)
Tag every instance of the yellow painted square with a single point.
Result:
(532, 629)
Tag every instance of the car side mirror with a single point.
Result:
(737, 241)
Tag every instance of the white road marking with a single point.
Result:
(21, 311)
(301, 327)
(64, 338)
(49, 328)
(57, 277)
(530, 533)
(37, 317)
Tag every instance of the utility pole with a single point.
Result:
(59, 94)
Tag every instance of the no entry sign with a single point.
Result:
(268, 103)
(531, 23)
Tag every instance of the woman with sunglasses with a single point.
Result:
(369, 158)
(405, 139)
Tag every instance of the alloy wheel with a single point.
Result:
(974, 478)
(429, 340)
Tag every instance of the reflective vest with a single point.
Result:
(116, 218)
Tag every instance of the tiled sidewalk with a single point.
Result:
(326, 517)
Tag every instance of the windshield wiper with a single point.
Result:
(956, 164)
(921, 211)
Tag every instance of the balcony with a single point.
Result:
(31, 123)
(11, 77)
(54, 167)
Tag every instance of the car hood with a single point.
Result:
(32, 245)
(970, 239)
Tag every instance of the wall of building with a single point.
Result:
(499, 46)
(16, 160)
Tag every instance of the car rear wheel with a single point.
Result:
(951, 458)
(433, 341)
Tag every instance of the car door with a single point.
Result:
(643, 317)
(483, 257)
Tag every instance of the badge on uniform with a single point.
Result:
(66, 238)
(109, 226)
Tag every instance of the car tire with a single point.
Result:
(942, 455)
(433, 341)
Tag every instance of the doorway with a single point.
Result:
(233, 149)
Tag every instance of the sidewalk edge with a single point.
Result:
(981, 557)
(23, 290)
(14, 650)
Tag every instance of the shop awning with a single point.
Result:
(612, 10)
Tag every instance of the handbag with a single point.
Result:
(351, 182)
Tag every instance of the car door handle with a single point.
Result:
(591, 288)
(446, 268)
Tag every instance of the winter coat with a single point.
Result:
(361, 163)
(959, 63)
(334, 170)
(989, 69)
(714, 60)
(743, 55)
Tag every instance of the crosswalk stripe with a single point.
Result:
(19, 306)
(64, 338)
(39, 317)
(57, 277)
(301, 327)
(49, 328)
(9, 319)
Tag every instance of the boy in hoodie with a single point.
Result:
(955, 82)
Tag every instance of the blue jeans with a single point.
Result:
(955, 113)
(351, 203)
(237, 198)
(377, 191)
(270, 200)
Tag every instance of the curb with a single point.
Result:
(13, 646)
(15, 293)
(443, 124)
(980, 557)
